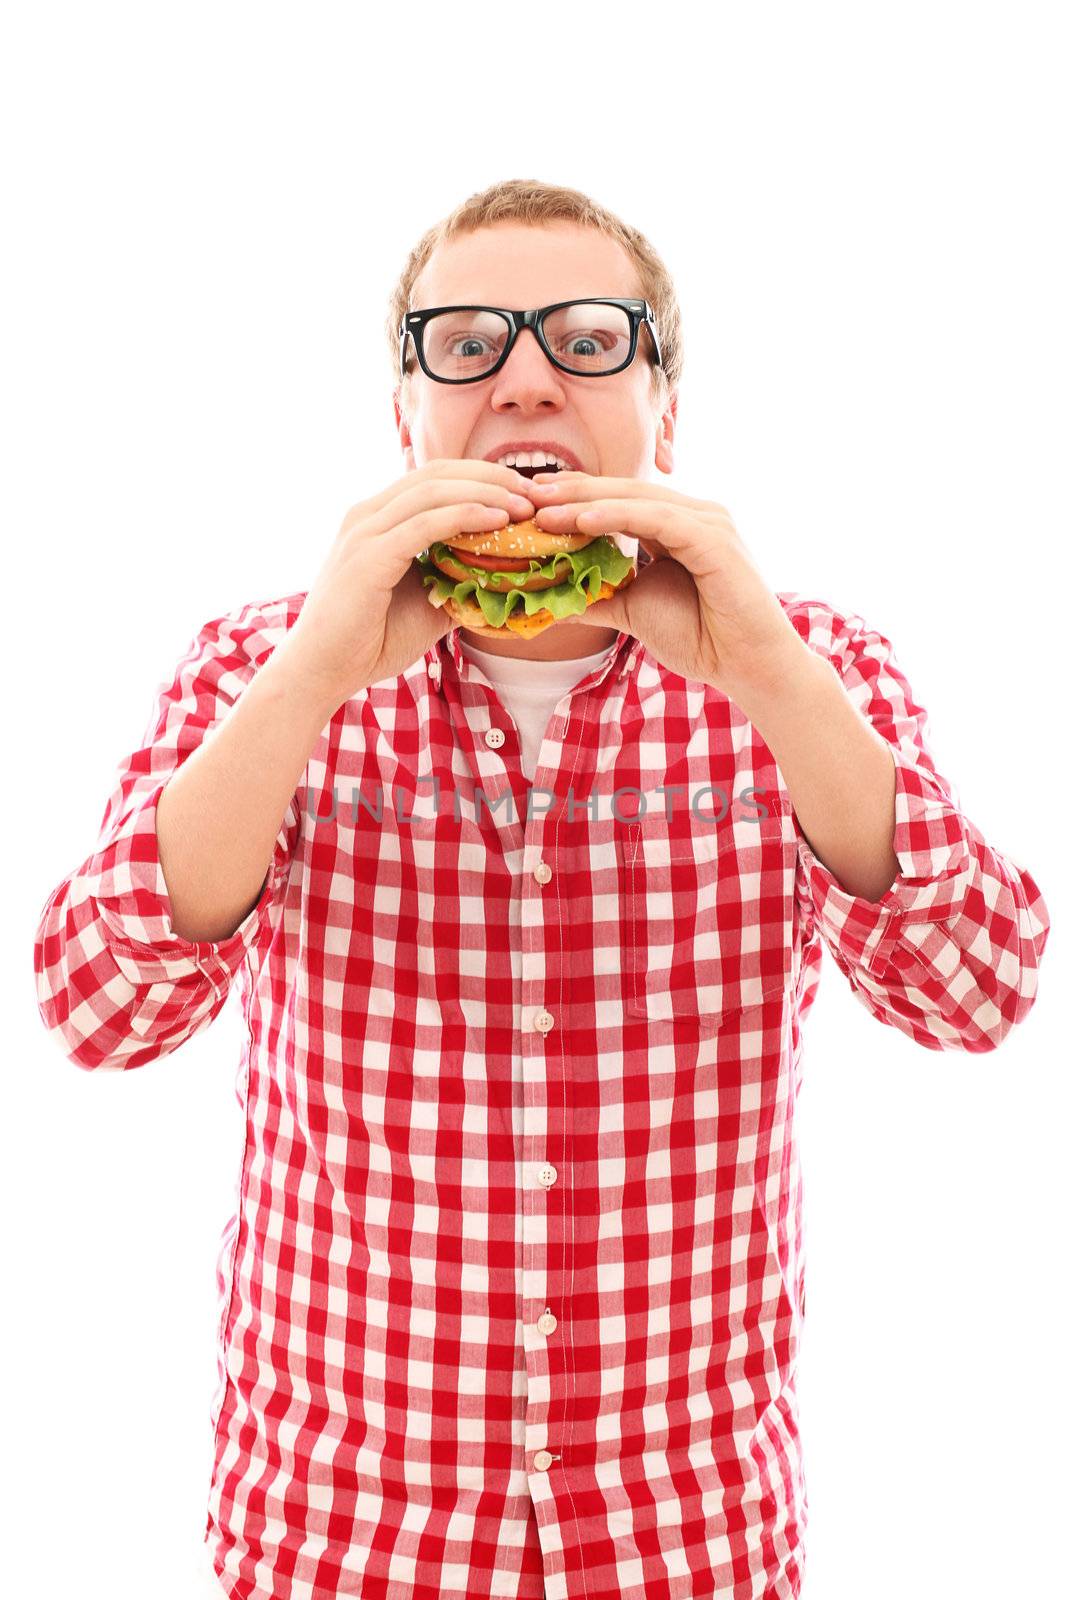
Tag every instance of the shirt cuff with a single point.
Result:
(126, 885)
(937, 867)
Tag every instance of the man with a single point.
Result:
(513, 1299)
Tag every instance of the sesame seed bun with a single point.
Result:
(518, 539)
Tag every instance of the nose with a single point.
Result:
(527, 359)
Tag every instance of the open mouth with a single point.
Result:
(529, 472)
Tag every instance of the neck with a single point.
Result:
(556, 643)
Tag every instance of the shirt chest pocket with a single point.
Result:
(707, 917)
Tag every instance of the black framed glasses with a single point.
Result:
(590, 338)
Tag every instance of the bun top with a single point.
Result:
(518, 539)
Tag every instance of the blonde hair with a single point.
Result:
(526, 200)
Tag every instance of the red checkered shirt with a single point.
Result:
(511, 1301)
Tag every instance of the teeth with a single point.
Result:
(534, 458)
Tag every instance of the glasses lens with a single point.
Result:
(464, 344)
(584, 338)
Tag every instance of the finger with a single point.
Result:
(472, 467)
(602, 614)
(411, 588)
(467, 470)
(384, 556)
(468, 498)
(698, 542)
(567, 487)
(670, 529)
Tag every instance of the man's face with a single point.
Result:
(609, 424)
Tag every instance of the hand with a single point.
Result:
(701, 607)
(368, 616)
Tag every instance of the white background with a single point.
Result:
(206, 209)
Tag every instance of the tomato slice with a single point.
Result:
(491, 563)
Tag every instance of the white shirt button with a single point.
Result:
(543, 872)
(542, 1460)
(547, 1176)
(434, 669)
(495, 738)
(544, 1021)
(546, 1322)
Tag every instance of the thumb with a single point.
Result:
(600, 614)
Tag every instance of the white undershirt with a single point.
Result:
(531, 690)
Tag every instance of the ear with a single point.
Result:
(405, 431)
(665, 435)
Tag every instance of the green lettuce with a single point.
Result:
(599, 562)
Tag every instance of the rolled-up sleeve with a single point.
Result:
(950, 953)
(116, 986)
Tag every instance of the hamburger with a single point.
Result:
(519, 580)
